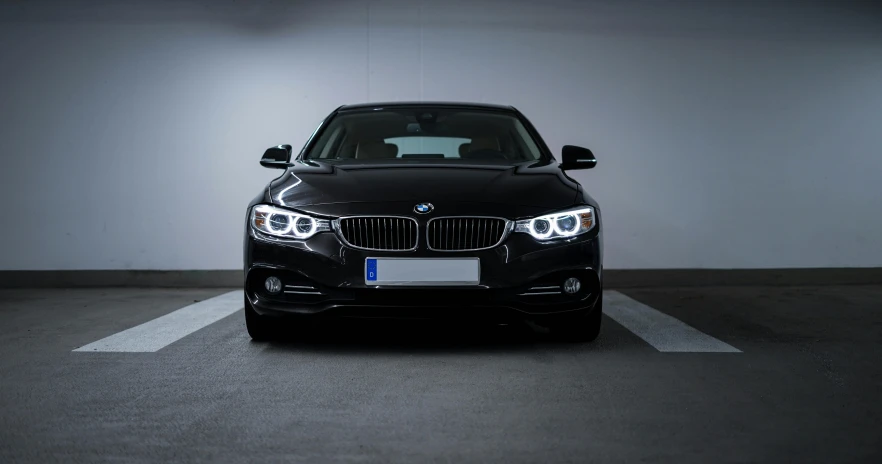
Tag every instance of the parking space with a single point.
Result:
(730, 374)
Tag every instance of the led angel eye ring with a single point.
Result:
(541, 231)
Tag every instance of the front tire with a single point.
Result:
(259, 327)
(583, 328)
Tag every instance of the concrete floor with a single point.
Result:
(806, 386)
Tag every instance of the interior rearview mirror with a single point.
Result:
(577, 158)
(276, 157)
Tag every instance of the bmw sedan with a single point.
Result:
(424, 210)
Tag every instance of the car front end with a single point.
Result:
(372, 264)
(419, 210)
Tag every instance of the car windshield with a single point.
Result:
(433, 134)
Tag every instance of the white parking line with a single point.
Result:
(663, 332)
(160, 332)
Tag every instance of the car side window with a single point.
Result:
(526, 140)
(331, 142)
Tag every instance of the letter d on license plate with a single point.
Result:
(422, 271)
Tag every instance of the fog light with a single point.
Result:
(572, 285)
(273, 284)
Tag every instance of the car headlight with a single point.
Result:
(558, 225)
(286, 224)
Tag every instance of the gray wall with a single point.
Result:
(729, 134)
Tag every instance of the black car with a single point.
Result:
(423, 210)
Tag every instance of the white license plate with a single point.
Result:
(422, 271)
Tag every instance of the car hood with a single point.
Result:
(338, 189)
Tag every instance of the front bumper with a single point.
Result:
(518, 278)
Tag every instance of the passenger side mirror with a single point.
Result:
(276, 157)
(577, 158)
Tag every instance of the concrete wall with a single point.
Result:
(729, 134)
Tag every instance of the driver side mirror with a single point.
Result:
(276, 157)
(577, 158)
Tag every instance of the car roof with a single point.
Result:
(424, 104)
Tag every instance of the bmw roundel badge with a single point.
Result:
(423, 208)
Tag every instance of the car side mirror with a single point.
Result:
(276, 157)
(577, 158)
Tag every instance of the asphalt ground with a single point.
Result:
(686, 375)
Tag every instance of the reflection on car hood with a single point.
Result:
(536, 184)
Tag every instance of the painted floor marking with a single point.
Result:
(663, 332)
(153, 335)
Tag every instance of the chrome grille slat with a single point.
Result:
(465, 233)
(461, 227)
(493, 229)
(464, 227)
(379, 233)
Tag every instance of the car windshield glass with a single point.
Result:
(432, 134)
